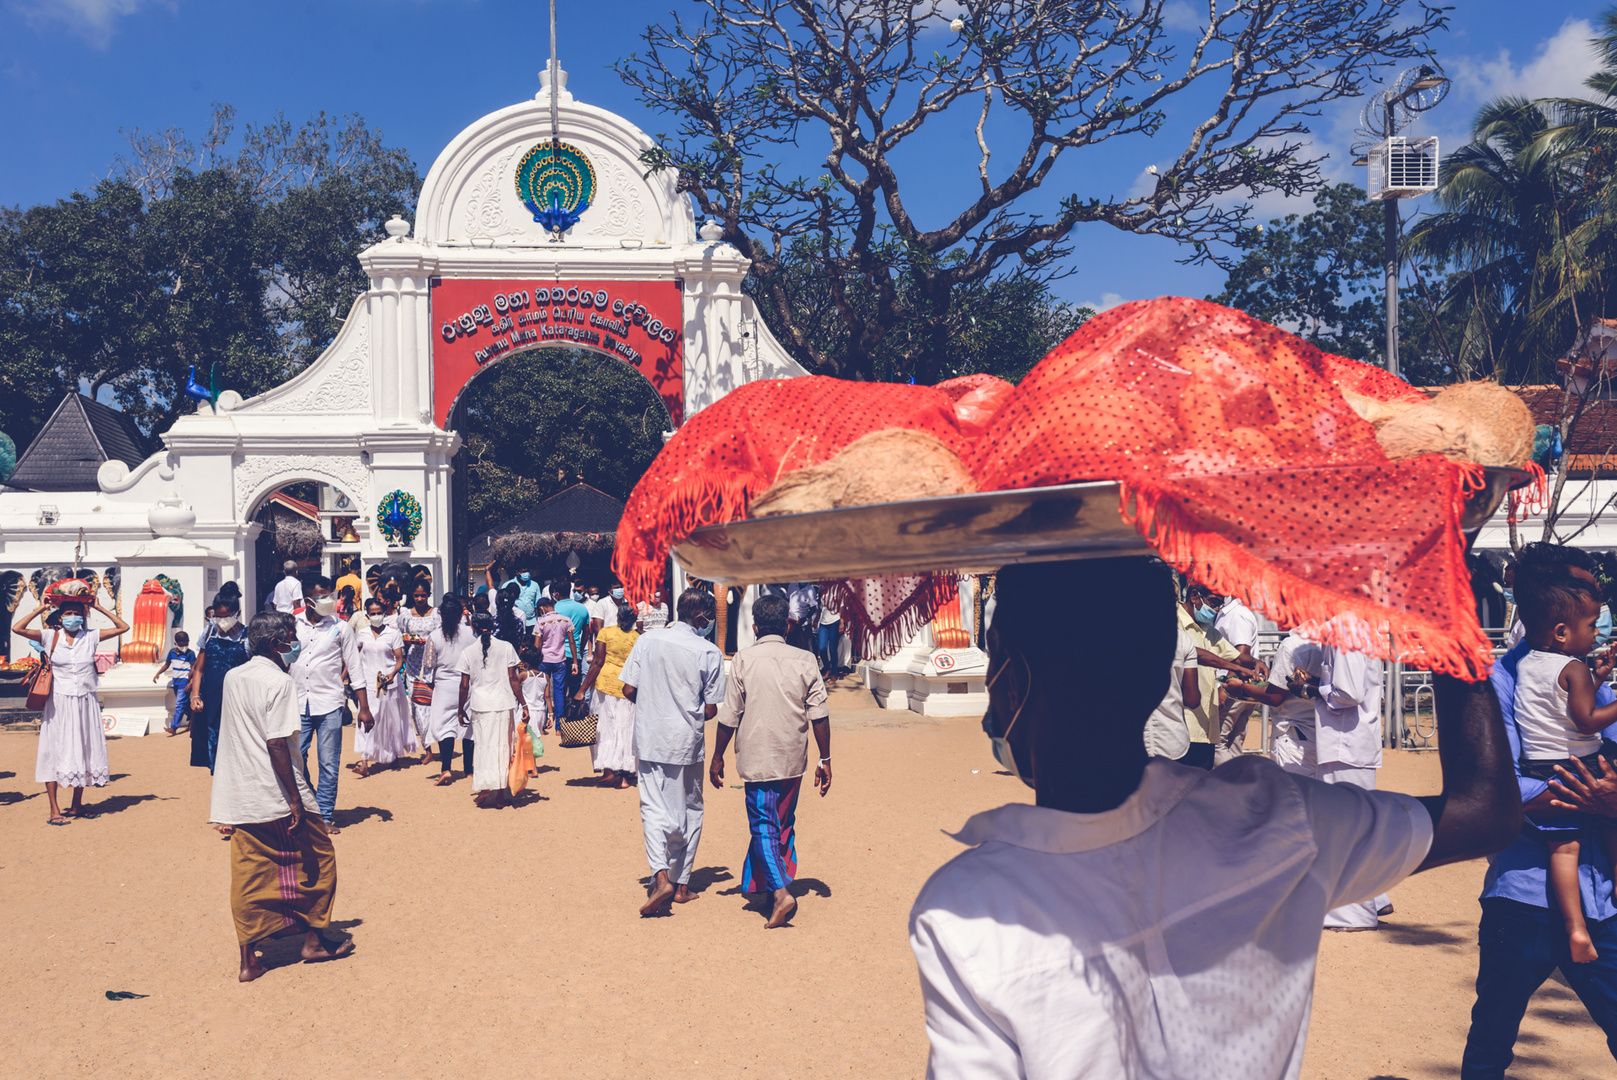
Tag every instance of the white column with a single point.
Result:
(387, 352)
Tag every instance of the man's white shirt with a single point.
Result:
(327, 646)
(1347, 716)
(1237, 623)
(258, 705)
(1172, 938)
(288, 595)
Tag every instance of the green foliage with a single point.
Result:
(1321, 275)
(540, 421)
(191, 257)
(1001, 326)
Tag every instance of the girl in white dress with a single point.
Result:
(72, 742)
(381, 656)
(416, 624)
(489, 693)
(444, 646)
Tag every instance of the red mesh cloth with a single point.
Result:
(1240, 461)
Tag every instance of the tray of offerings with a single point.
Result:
(967, 533)
(973, 533)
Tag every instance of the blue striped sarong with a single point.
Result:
(772, 817)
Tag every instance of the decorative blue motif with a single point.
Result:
(556, 182)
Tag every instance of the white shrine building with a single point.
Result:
(474, 278)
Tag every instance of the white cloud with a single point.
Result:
(1558, 67)
(93, 20)
(1106, 301)
(1180, 16)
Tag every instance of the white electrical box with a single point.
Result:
(1403, 168)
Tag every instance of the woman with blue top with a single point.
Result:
(226, 649)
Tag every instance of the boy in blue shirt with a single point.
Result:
(178, 665)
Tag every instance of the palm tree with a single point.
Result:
(1516, 211)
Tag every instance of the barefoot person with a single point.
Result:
(612, 753)
(1146, 918)
(444, 721)
(675, 677)
(775, 696)
(72, 742)
(490, 693)
(283, 872)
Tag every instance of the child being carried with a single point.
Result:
(1559, 720)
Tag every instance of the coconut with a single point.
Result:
(1479, 422)
(884, 466)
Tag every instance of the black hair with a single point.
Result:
(373, 600)
(547, 601)
(533, 658)
(229, 588)
(267, 630)
(483, 627)
(227, 600)
(770, 615)
(1125, 660)
(316, 581)
(627, 617)
(451, 610)
(694, 602)
(178, 634)
(1545, 599)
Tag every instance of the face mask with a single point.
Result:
(1001, 742)
(72, 623)
(227, 623)
(378, 620)
(706, 631)
(523, 578)
(1205, 615)
(1510, 596)
(324, 605)
(290, 656)
(617, 594)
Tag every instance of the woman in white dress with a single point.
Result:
(416, 624)
(490, 690)
(381, 656)
(613, 751)
(444, 646)
(72, 742)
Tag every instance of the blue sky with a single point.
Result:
(75, 72)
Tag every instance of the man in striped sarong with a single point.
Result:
(283, 872)
(774, 698)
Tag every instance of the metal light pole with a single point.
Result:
(1414, 91)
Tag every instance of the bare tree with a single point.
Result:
(1047, 77)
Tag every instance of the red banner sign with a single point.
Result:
(477, 321)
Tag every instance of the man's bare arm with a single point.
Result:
(280, 752)
(1480, 810)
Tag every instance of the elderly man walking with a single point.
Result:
(283, 871)
(675, 677)
(775, 696)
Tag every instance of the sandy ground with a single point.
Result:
(508, 940)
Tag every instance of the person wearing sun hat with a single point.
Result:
(72, 742)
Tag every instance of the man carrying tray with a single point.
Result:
(1146, 918)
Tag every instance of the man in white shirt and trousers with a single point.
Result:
(327, 659)
(675, 677)
(1347, 725)
(1148, 919)
(288, 592)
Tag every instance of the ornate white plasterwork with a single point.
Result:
(257, 475)
(485, 202)
(343, 387)
(620, 204)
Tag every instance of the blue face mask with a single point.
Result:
(523, 578)
(707, 631)
(1001, 742)
(290, 656)
(617, 594)
(72, 623)
(1205, 615)
(1510, 596)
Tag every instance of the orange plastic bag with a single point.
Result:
(521, 761)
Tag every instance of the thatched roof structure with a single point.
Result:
(294, 525)
(581, 518)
